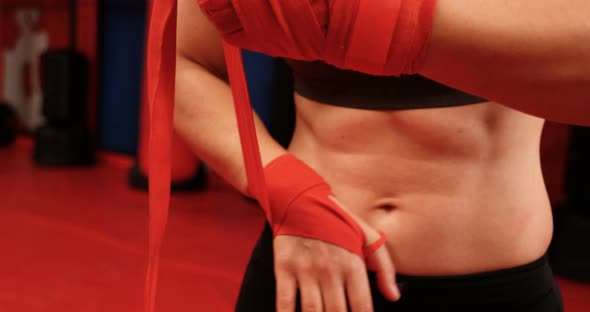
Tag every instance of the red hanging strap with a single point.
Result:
(247, 129)
(160, 73)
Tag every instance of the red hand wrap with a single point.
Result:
(380, 37)
(373, 247)
(300, 205)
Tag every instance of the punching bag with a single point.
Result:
(65, 138)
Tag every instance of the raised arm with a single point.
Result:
(531, 55)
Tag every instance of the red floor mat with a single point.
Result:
(75, 240)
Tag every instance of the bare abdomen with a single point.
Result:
(457, 190)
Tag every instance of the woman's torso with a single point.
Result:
(456, 189)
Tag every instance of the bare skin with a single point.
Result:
(457, 190)
(531, 55)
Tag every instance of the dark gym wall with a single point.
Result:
(122, 36)
(271, 93)
(260, 73)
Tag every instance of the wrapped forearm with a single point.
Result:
(531, 55)
(380, 37)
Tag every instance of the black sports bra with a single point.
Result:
(324, 83)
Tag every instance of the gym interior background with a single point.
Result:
(73, 206)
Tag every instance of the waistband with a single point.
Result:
(527, 281)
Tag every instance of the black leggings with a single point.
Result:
(527, 288)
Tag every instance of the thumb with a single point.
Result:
(380, 262)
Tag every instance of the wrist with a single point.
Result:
(301, 205)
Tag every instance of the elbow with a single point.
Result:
(180, 124)
(185, 111)
(180, 117)
(185, 122)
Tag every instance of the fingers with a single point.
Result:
(380, 262)
(311, 295)
(320, 292)
(359, 291)
(334, 295)
(286, 291)
(320, 272)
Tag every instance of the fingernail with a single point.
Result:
(396, 292)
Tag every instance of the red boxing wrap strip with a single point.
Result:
(373, 247)
(379, 37)
(246, 127)
(160, 81)
(300, 205)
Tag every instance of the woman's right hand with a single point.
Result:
(330, 278)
